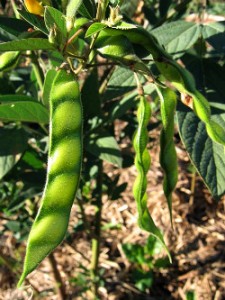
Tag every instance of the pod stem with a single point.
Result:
(83, 215)
(38, 72)
(96, 239)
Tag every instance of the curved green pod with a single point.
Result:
(9, 60)
(168, 156)
(63, 172)
(142, 163)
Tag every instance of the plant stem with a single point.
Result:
(38, 72)
(4, 260)
(97, 233)
(59, 282)
(14, 7)
(72, 38)
(83, 215)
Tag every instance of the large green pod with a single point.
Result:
(64, 166)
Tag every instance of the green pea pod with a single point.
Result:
(63, 173)
(9, 60)
(142, 163)
(168, 156)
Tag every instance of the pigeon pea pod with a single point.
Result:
(142, 163)
(63, 172)
(168, 157)
(180, 77)
(120, 49)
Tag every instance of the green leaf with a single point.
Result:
(153, 246)
(190, 295)
(121, 82)
(22, 108)
(211, 29)
(106, 148)
(94, 28)
(32, 159)
(13, 144)
(120, 108)
(124, 26)
(162, 263)
(207, 156)
(11, 28)
(87, 9)
(214, 33)
(143, 279)
(34, 20)
(54, 17)
(134, 253)
(177, 36)
(26, 44)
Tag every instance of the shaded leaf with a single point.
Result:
(26, 44)
(11, 28)
(13, 144)
(121, 82)
(22, 108)
(177, 36)
(34, 20)
(106, 148)
(54, 17)
(207, 156)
